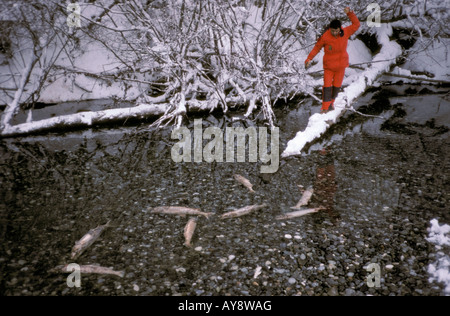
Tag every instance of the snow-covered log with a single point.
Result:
(319, 123)
(85, 119)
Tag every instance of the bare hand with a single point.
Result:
(307, 64)
(347, 10)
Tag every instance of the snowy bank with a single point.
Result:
(431, 57)
(319, 123)
(86, 70)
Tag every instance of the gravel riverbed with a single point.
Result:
(387, 185)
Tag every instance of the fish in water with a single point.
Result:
(299, 213)
(179, 210)
(307, 194)
(87, 240)
(189, 231)
(243, 211)
(93, 269)
(245, 182)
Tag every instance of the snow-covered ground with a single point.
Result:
(67, 82)
(427, 59)
(430, 57)
(95, 59)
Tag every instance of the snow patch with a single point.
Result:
(439, 235)
(430, 57)
(358, 52)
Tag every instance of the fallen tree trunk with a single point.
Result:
(319, 123)
(85, 119)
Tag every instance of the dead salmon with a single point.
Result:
(243, 211)
(298, 213)
(245, 182)
(189, 231)
(87, 240)
(179, 210)
(304, 200)
(93, 269)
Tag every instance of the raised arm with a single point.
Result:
(349, 30)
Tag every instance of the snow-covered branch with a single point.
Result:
(86, 119)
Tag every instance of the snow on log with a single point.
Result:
(319, 123)
(85, 119)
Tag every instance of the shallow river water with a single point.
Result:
(381, 180)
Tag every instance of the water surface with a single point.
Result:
(381, 181)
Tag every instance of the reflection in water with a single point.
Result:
(325, 184)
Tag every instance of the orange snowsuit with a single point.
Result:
(335, 59)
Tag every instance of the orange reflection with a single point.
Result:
(325, 184)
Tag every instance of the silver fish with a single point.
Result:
(307, 194)
(257, 272)
(94, 269)
(179, 210)
(88, 239)
(245, 182)
(298, 213)
(243, 211)
(189, 231)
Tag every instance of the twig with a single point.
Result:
(362, 114)
(417, 78)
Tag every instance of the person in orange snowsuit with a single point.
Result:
(334, 41)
